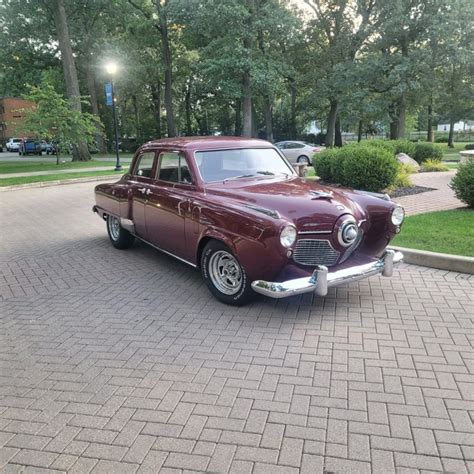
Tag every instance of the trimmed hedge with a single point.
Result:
(426, 151)
(362, 166)
(469, 146)
(463, 183)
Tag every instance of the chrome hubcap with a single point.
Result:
(114, 227)
(225, 272)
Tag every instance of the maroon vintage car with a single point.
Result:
(236, 209)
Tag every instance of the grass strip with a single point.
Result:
(449, 232)
(57, 177)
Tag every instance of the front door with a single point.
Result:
(169, 204)
(141, 182)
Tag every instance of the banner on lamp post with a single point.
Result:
(108, 93)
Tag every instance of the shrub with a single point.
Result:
(442, 140)
(463, 183)
(388, 145)
(322, 164)
(365, 167)
(404, 146)
(469, 146)
(402, 178)
(434, 165)
(426, 151)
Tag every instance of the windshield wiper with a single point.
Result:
(240, 176)
(266, 173)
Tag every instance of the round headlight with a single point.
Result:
(288, 236)
(398, 214)
(348, 232)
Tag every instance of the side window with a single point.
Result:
(144, 164)
(295, 145)
(173, 168)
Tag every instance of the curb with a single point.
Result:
(441, 261)
(44, 184)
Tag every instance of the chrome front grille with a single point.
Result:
(315, 252)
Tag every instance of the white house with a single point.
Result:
(461, 126)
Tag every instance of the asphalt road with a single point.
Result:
(121, 361)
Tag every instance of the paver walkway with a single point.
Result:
(121, 361)
(442, 198)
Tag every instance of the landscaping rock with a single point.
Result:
(406, 160)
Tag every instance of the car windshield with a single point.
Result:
(220, 165)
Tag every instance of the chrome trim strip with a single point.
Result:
(304, 232)
(322, 279)
(166, 252)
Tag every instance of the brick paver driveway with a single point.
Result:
(121, 361)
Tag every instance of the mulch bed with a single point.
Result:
(409, 191)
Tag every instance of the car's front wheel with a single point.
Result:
(224, 275)
(120, 238)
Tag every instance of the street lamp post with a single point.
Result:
(112, 69)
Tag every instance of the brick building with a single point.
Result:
(11, 115)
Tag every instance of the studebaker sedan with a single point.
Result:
(236, 209)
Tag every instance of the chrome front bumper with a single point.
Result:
(321, 279)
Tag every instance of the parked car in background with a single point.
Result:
(13, 144)
(1, 147)
(235, 209)
(30, 146)
(51, 148)
(298, 152)
(44, 145)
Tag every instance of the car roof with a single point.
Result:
(207, 143)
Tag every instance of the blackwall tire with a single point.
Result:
(224, 275)
(303, 160)
(120, 238)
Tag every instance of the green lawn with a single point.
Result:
(57, 176)
(444, 231)
(26, 167)
(451, 153)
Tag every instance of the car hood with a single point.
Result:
(309, 205)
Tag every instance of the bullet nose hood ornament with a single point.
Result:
(321, 195)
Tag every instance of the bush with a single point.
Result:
(404, 146)
(442, 140)
(402, 178)
(434, 165)
(469, 146)
(426, 151)
(387, 145)
(367, 168)
(463, 183)
(322, 164)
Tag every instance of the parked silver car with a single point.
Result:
(298, 152)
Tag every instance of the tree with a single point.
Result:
(55, 120)
(80, 151)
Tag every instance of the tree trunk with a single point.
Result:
(91, 85)
(430, 134)
(268, 119)
(136, 114)
(293, 110)
(168, 64)
(80, 150)
(246, 106)
(189, 131)
(401, 118)
(451, 133)
(359, 132)
(337, 132)
(238, 118)
(331, 124)
(156, 98)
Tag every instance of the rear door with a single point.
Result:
(141, 181)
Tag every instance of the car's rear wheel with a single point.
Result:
(224, 275)
(120, 238)
(303, 160)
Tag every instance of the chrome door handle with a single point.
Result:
(142, 190)
(148, 191)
